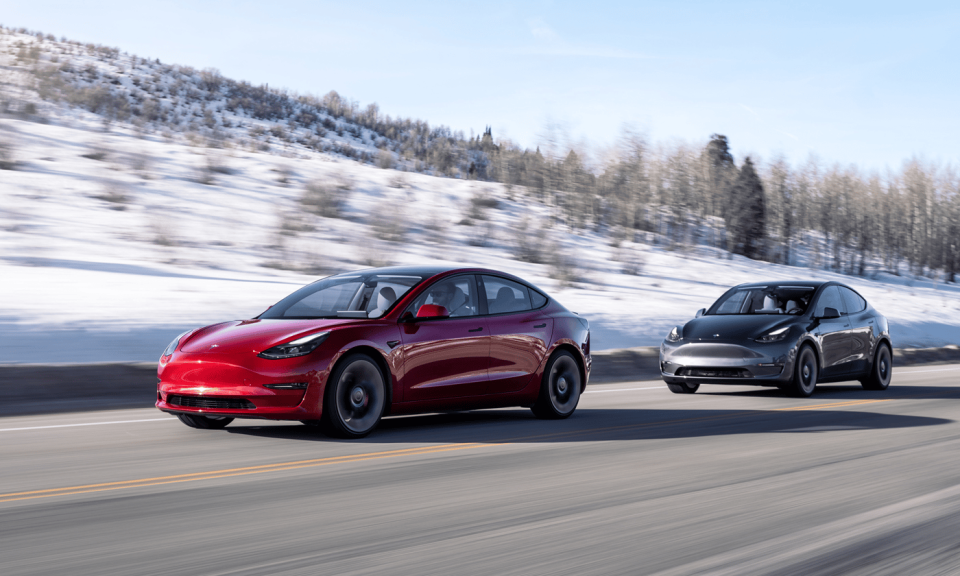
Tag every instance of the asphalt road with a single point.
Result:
(639, 481)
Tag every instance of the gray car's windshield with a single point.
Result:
(344, 296)
(772, 299)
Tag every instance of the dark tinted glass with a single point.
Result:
(505, 295)
(853, 300)
(537, 299)
(829, 298)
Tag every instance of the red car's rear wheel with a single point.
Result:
(560, 389)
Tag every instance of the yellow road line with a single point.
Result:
(831, 405)
(349, 458)
(9, 497)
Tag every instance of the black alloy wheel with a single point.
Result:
(882, 371)
(805, 374)
(560, 388)
(205, 422)
(355, 398)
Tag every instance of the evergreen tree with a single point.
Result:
(746, 214)
(721, 170)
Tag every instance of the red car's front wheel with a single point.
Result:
(205, 422)
(355, 398)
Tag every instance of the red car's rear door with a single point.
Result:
(519, 334)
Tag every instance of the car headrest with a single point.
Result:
(386, 297)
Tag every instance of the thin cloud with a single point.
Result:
(541, 30)
(550, 43)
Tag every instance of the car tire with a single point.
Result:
(882, 371)
(805, 373)
(355, 398)
(560, 387)
(205, 422)
(683, 388)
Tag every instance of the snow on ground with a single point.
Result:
(110, 246)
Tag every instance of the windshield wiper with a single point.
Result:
(352, 314)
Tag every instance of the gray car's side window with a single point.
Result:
(853, 301)
(830, 298)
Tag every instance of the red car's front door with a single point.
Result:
(446, 357)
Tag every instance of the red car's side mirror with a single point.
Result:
(432, 311)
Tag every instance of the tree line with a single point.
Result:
(831, 217)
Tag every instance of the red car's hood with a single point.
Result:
(253, 335)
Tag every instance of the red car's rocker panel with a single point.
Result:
(394, 341)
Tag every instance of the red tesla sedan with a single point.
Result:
(349, 349)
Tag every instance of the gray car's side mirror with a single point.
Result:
(700, 312)
(829, 313)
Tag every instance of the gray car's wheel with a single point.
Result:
(683, 388)
(205, 422)
(560, 388)
(355, 398)
(882, 371)
(805, 374)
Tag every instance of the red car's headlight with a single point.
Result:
(300, 347)
(172, 347)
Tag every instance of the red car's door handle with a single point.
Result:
(544, 325)
(480, 329)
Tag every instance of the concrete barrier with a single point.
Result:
(48, 389)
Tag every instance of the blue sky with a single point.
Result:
(866, 83)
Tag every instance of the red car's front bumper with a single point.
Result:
(217, 385)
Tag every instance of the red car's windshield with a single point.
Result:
(349, 295)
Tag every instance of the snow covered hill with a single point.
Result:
(114, 237)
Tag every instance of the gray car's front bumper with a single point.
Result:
(701, 362)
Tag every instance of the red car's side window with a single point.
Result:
(505, 296)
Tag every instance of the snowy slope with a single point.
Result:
(90, 279)
(112, 241)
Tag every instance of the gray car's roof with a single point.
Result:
(804, 283)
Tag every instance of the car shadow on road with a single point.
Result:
(600, 424)
(843, 391)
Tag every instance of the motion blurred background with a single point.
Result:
(164, 167)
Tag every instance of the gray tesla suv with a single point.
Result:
(793, 335)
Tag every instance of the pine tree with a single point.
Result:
(720, 174)
(746, 220)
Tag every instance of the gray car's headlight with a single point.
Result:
(675, 335)
(775, 336)
(172, 347)
(299, 347)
